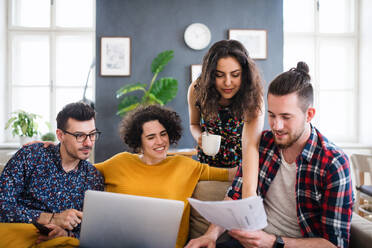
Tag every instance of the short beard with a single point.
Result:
(285, 146)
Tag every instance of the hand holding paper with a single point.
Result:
(246, 214)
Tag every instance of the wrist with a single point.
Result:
(44, 218)
(214, 232)
(278, 243)
(51, 218)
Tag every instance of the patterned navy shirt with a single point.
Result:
(323, 186)
(33, 181)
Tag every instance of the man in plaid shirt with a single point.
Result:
(304, 179)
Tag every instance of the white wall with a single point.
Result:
(365, 63)
(3, 54)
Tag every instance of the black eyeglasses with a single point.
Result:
(81, 137)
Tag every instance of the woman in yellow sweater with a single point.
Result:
(149, 131)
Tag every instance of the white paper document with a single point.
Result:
(246, 214)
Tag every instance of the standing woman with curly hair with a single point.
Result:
(227, 99)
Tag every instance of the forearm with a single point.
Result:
(196, 131)
(232, 173)
(307, 242)
(250, 155)
(45, 218)
(214, 231)
(250, 172)
(16, 213)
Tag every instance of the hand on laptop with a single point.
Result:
(68, 219)
(57, 231)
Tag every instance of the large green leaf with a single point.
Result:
(154, 99)
(127, 104)
(165, 89)
(10, 122)
(161, 61)
(130, 88)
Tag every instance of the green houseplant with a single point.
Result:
(159, 91)
(23, 124)
(48, 137)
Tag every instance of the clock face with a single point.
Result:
(197, 36)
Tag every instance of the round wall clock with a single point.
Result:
(197, 36)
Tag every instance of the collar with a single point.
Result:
(58, 159)
(311, 144)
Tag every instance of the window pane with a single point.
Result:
(34, 100)
(299, 49)
(30, 56)
(336, 63)
(298, 15)
(336, 16)
(72, 13)
(331, 103)
(68, 95)
(35, 13)
(73, 59)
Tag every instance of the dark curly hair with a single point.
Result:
(295, 80)
(132, 123)
(248, 100)
(77, 110)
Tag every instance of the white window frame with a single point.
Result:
(52, 32)
(316, 36)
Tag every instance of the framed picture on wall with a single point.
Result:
(195, 71)
(254, 40)
(115, 56)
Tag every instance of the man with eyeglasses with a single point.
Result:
(47, 184)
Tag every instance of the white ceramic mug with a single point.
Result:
(211, 144)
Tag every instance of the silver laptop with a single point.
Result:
(120, 220)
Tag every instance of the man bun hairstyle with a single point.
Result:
(78, 110)
(295, 80)
(131, 126)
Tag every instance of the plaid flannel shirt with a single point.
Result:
(323, 186)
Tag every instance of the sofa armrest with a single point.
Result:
(361, 232)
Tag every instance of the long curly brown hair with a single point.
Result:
(131, 126)
(247, 101)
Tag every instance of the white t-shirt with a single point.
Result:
(280, 203)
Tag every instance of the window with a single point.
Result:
(324, 34)
(51, 48)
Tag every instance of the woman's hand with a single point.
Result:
(56, 232)
(46, 143)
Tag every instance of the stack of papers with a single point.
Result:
(246, 214)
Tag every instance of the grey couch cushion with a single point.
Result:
(361, 232)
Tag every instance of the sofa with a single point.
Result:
(361, 229)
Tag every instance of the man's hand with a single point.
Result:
(253, 238)
(68, 219)
(56, 232)
(202, 241)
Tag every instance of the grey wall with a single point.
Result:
(155, 26)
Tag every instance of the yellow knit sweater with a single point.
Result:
(174, 178)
